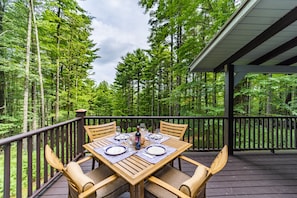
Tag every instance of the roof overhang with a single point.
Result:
(260, 33)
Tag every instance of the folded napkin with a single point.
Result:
(113, 158)
(155, 158)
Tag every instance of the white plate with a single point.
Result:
(156, 149)
(115, 150)
(122, 137)
(156, 136)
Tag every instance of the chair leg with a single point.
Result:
(93, 164)
(179, 163)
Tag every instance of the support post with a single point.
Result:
(80, 129)
(229, 103)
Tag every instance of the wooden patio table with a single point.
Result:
(135, 169)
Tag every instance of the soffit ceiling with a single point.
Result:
(261, 32)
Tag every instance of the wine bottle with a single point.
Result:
(137, 139)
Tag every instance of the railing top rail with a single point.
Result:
(154, 117)
(183, 117)
(34, 132)
(265, 117)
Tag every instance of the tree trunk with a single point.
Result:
(2, 75)
(27, 71)
(205, 91)
(57, 103)
(34, 105)
(39, 66)
(138, 90)
(214, 92)
(171, 110)
(159, 92)
(2, 92)
(269, 99)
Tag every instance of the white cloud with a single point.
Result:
(120, 26)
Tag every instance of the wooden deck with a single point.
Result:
(258, 174)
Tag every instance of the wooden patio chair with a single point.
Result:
(170, 182)
(101, 130)
(98, 131)
(174, 130)
(100, 182)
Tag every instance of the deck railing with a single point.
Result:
(205, 133)
(25, 173)
(265, 133)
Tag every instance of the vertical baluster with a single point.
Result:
(6, 148)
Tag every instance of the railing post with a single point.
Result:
(229, 102)
(80, 129)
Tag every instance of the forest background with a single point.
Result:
(46, 57)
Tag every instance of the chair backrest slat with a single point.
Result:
(101, 130)
(176, 130)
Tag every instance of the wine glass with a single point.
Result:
(143, 129)
(130, 144)
(157, 136)
(153, 139)
(117, 134)
(118, 130)
(157, 131)
(142, 126)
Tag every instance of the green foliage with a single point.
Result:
(9, 126)
(162, 85)
(155, 81)
(66, 55)
(102, 99)
(260, 94)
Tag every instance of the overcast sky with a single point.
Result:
(120, 26)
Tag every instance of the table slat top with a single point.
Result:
(135, 169)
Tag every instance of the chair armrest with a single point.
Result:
(167, 186)
(97, 186)
(192, 161)
(84, 159)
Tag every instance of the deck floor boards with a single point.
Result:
(257, 174)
